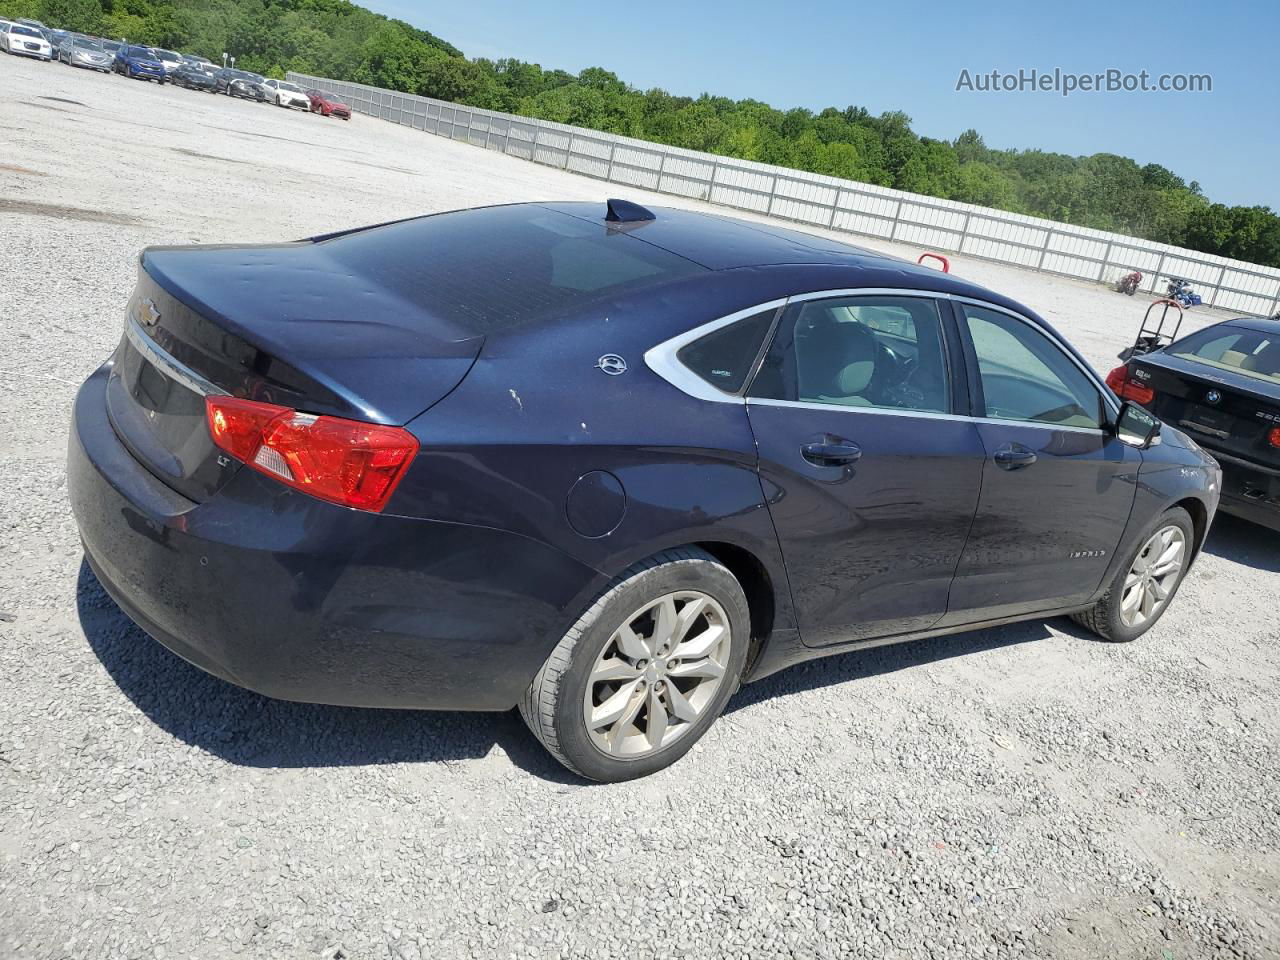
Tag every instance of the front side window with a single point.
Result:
(1026, 376)
(881, 352)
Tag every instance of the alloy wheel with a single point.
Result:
(1152, 577)
(657, 675)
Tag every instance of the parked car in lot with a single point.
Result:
(1221, 385)
(288, 94)
(603, 463)
(26, 41)
(168, 59)
(84, 52)
(199, 61)
(195, 76)
(138, 63)
(111, 46)
(328, 105)
(241, 83)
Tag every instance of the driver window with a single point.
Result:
(1025, 376)
(876, 352)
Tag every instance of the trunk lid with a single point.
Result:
(1222, 410)
(288, 324)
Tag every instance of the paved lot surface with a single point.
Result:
(1025, 791)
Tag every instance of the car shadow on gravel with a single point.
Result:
(1244, 543)
(251, 730)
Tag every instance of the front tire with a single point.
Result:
(645, 671)
(1146, 582)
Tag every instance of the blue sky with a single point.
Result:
(908, 57)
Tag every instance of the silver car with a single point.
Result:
(85, 52)
(169, 60)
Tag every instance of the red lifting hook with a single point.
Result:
(946, 264)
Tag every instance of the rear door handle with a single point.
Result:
(831, 452)
(1014, 456)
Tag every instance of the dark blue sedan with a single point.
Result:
(140, 63)
(604, 464)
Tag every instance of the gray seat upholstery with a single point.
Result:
(835, 361)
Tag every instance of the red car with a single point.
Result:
(327, 105)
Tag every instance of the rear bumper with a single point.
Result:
(1250, 491)
(302, 600)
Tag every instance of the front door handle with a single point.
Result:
(1014, 456)
(831, 452)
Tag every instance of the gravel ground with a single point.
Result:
(1023, 791)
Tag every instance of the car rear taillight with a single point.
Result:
(1118, 380)
(343, 461)
(1273, 437)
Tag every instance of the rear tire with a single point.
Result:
(627, 647)
(1122, 615)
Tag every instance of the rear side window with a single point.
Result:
(879, 352)
(724, 358)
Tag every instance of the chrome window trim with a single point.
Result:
(167, 363)
(920, 414)
(661, 359)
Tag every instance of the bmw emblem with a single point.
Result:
(1213, 396)
(612, 364)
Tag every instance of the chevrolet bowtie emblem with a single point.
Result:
(149, 314)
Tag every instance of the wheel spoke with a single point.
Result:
(618, 732)
(613, 669)
(1159, 590)
(1129, 602)
(680, 706)
(615, 706)
(1148, 601)
(657, 726)
(697, 668)
(631, 644)
(688, 614)
(665, 620)
(701, 645)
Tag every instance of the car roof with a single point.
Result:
(719, 242)
(1260, 324)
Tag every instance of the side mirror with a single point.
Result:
(1136, 427)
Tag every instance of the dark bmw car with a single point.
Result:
(1222, 386)
(604, 464)
(138, 63)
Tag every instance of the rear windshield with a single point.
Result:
(491, 269)
(1251, 353)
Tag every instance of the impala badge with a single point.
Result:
(150, 314)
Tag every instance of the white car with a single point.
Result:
(288, 94)
(169, 60)
(20, 39)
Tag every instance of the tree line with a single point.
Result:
(338, 39)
